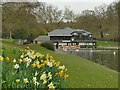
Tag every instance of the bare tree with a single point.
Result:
(49, 14)
(69, 15)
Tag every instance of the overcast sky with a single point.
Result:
(79, 5)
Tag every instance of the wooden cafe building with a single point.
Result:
(69, 38)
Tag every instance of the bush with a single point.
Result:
(48, 45)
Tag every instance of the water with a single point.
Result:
(108, 58)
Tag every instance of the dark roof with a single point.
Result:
(66, 32)
(42, 38)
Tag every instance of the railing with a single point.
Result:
(74, 41)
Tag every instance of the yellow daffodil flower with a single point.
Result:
(1, 58)
(58, 64)
(51, 57)
(52, 61)
(33, 65)
(8, 59)
(51, 85)
(61, 73)
(66, 76)
(43, 76)
(43, 65)
(38, 66)
(17, 81)
(50, 75)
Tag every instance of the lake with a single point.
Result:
(108, 58)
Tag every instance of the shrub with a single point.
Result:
(48, 45)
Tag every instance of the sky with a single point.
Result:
(79, 5)
(76, 5)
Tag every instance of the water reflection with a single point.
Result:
(108, 58)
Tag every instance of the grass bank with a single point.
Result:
(83, 73)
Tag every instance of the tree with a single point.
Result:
(100, 12)
(48, 14)
(20, 34)
(69, 15)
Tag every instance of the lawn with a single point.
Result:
(107, 43)
(83, 73)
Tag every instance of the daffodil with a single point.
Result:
(43, 65)
(45, 81)
(51, 85)
(36, 73)
(41, 56)
(65, 69)
(1, 58)
(21, 56)
(66, 76)
(29, 60)
(47, 56)
(58, 64)
(43, 76)
(37, 62)
(28, 63)
(36, 83)
(50, 75)
(61, 73)
(34, 79)
(20, 60)
(49, 64)
(51, 57)
(38, 66)
(61, 67)
(25, 80)
(8, 59)
(17, 81)
(14, 60)
(52, 61)
(16, 66)
(46, 61)
(33, 65)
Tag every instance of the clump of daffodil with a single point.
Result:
(38, 69)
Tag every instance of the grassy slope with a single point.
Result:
(83, 73)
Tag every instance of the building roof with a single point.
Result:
(42, 38)
(67, 32)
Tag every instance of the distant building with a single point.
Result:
(41, 39)
(69, 38)
(72, 38)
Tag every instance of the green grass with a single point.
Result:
(8, 40)
(108, 43)
(83, 73)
